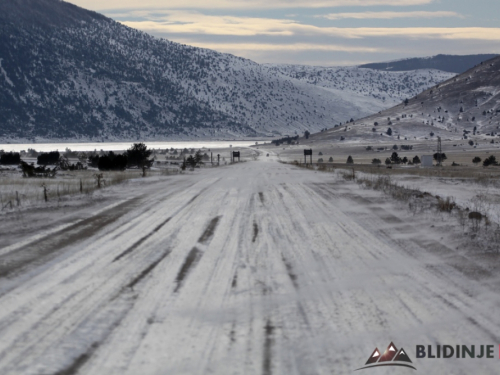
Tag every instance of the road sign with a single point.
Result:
(306, 153)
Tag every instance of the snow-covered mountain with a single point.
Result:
(466, 106)
(68, 73)
(379, 89)
(446, 63)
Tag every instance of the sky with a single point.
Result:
(316, 32)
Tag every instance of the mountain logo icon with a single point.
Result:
(391, 357)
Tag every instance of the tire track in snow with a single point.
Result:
(195, 254)
(191, 260)
(147, 270)
(49, 247)
(268, 349)
(140, 241)
(83, 358)
(79, 362)
(255, 231)
(209, 231)
(98, 306)
(261, 197)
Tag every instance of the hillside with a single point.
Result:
(375, 86)
(70, 74)
(445, 63)
(464, 107)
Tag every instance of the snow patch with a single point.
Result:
(7, 79)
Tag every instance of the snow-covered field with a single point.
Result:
(253, 268)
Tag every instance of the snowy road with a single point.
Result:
(255, 268)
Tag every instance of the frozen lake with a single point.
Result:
(120, 146)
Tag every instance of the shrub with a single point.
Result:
(491, 160)
(438, 156)
(476, 160)
(330, 160)
(376, 161)
(48, 158)
(10, 158)
(395, 158)
(287, 140)
(446, 205)
(389, 131)
(93, 160)
(349, 160)
(112, 162)
(194, 161)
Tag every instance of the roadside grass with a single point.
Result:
(476, 226)
(484, 176)
(479, 224)
(16, 190)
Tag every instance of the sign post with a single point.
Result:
(306, 153)
(236, 154)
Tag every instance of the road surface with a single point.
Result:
(253, 268)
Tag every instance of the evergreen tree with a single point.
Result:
(138, 155)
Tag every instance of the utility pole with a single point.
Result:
(439, 152)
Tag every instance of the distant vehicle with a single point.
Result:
(267, 155)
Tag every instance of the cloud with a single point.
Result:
(187, 22)
(293, 47)
(239, 4)
(390, 15)
(197, 23)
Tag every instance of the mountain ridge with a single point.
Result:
(447, 63)
(67, 73)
